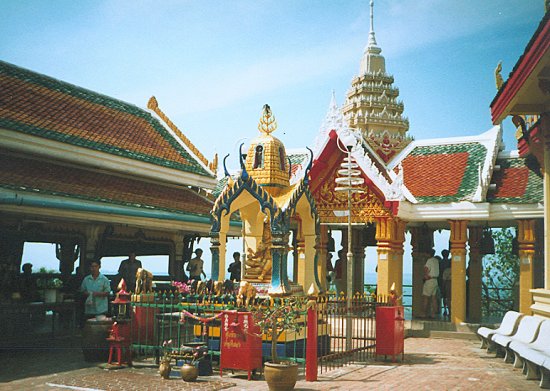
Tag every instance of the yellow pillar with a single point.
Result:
(419, 258)
(526, 240)
(322, 257)
(458, 270)
(390, 235)
(475, 272)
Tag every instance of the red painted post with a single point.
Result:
(311, 341)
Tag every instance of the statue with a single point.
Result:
(144, 281)
(246, 294)
(498, 76)
(258, 263)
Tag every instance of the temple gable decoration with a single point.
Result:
(269, 207)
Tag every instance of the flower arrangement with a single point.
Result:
(182, 287)
(48, 281)
(167, 347)
(276, 316)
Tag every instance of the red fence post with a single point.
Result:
(311, 341)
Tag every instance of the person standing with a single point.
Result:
(28, 288)
(445, 279)
(195, 267)
(128, 269)
(96, 288)
(429, 290)
(235, 267)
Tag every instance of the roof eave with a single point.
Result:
(46, 148)
(535, 51)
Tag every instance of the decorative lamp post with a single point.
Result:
(348, 180)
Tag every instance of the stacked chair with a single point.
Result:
(523, 340)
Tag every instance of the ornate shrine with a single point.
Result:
(270, 201)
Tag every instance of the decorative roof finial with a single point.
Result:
(372, 39)
(267, 124)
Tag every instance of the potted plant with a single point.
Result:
(50, 284)
(273, 318)
(165, 367)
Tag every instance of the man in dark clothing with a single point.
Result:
(235, 267)
(128, 269)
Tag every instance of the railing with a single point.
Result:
(181, 319)
(162, 317)
(333, 314)
(497, 301)
(406, 297)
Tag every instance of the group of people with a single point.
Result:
(437, 285)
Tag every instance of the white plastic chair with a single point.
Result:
(508, 326)
(526, 333)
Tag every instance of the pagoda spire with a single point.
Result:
(372, 61)
(372, 38)
(372, 103)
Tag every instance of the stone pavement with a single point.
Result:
(430, 364)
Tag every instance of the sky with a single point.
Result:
(212, 65)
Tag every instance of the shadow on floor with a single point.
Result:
(41, 356)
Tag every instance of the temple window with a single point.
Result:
(259, 157)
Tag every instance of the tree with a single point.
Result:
(501, 274)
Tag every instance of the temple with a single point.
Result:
(102, 177)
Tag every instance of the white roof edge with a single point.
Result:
(480, 138)
(471, 211)
(508, 154)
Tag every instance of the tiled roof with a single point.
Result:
(297, 161)
(516, 183)
(47, 178)
(443, 173)
(42, 106)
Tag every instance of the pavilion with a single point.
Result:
(464, 184)
(95, 175)
(525, 96)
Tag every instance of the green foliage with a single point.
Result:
(501, 275)
(277, 316)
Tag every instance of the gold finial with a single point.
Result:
(498, 76)
(267, 123)
(152, 104)
(213, 165)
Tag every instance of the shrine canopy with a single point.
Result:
(270, 201)
(377, 198)
(431, 180)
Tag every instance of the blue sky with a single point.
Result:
(213, 64)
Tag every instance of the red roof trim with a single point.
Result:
(537, 47)
(320, 165)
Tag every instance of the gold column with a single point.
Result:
(475, 273)
(390, 235)
(458, 240)
(322, 257)
(419, 258)
(526, 240)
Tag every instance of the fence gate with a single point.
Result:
(346, 335)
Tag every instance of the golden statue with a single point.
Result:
(498, 77)
(144, 281)
(258, 263)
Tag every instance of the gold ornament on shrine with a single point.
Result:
(266, 159)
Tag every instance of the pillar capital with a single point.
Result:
(459, 233)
